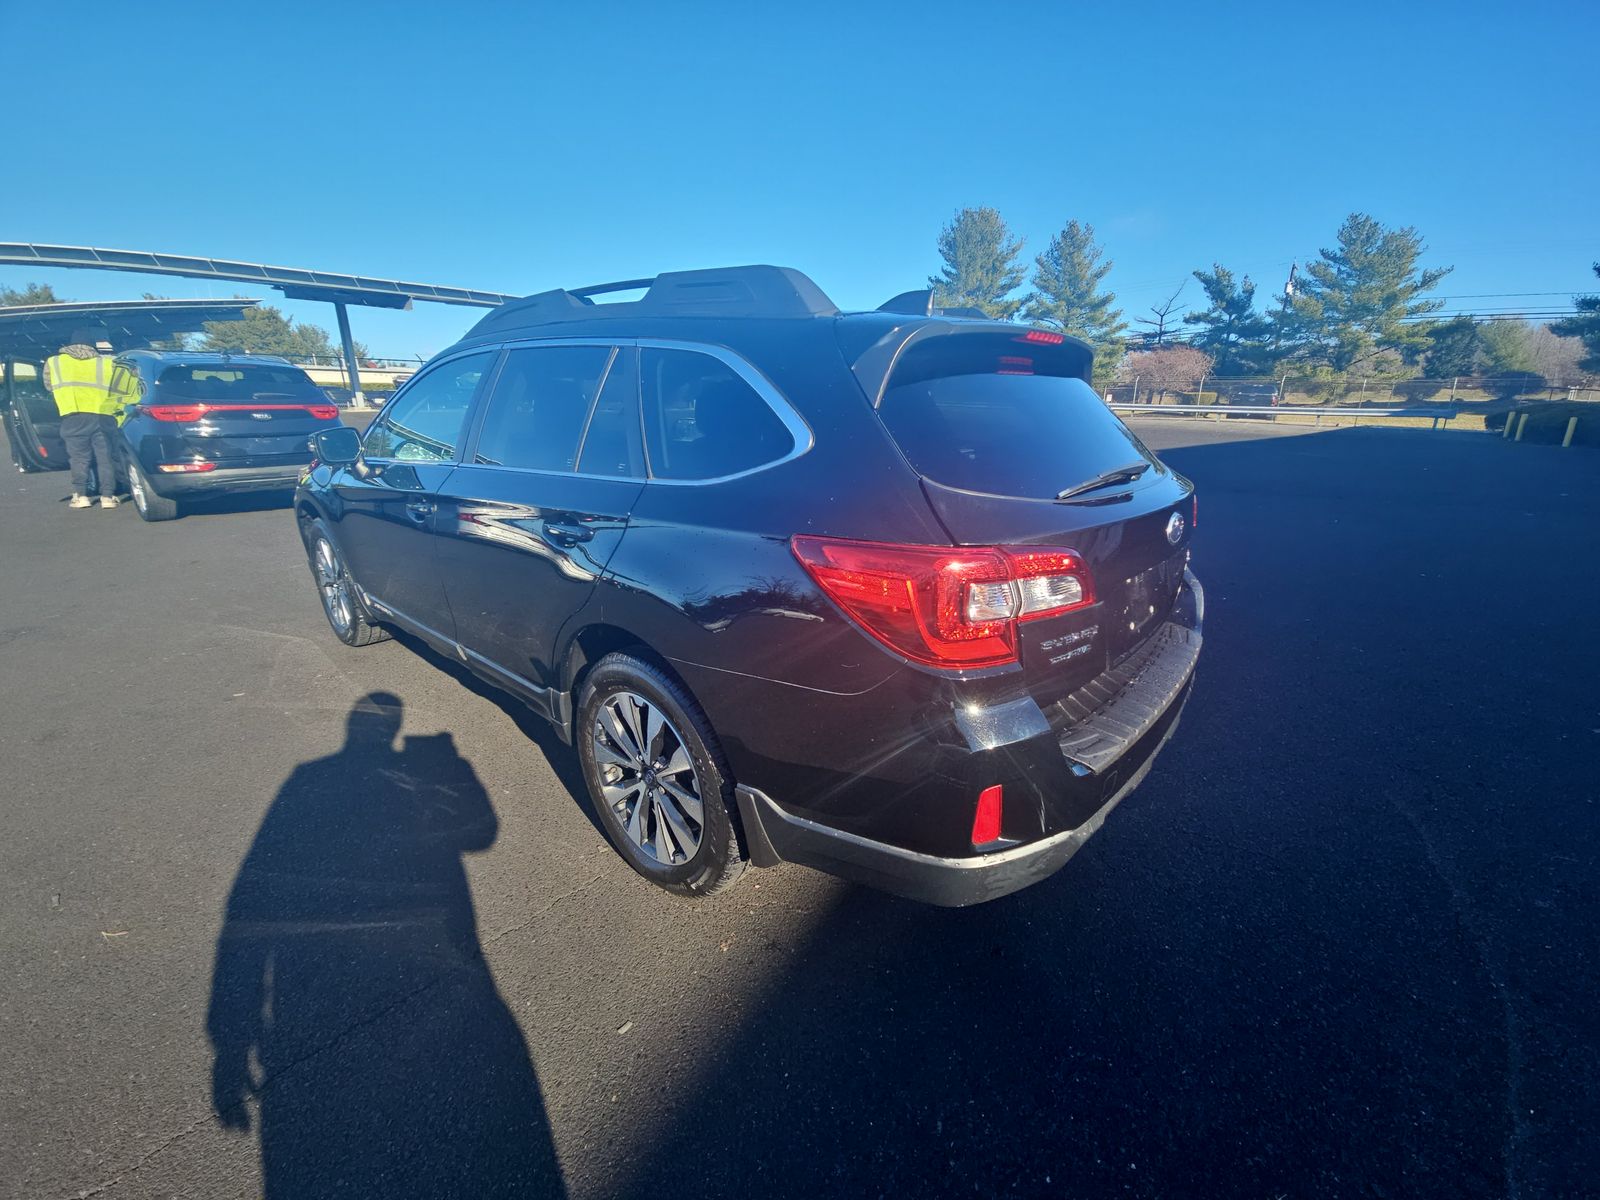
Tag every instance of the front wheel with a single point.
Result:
(340, 603)
(657, 777)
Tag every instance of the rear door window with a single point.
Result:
(423, 423)
(986, 415)
(541, 402)
(703, 420)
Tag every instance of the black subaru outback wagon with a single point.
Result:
(892, 594)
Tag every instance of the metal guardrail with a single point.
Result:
(1434, 413)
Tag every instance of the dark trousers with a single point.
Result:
(91, 437)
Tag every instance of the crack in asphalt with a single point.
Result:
(1494, 968)
(333, 1043)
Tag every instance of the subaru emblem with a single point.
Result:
(1175, 528)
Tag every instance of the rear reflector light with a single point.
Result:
(196, 412)
(1041, 337)
(947, 606)
(1194, 514)
(185, 468)
(986, 822)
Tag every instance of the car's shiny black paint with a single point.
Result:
(525, 576)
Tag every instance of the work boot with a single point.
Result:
(78, 501)
(109, 502)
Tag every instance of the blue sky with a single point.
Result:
(518, 147)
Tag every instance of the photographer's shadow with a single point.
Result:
(350, 996)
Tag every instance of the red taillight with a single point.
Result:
(986, 822)
(1041, 337)
(195, 412)
(176, 412)
(947, 606)
(185, 468)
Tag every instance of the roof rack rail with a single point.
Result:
(753, 291)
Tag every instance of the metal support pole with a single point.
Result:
(1572, 428)
(1522, 423)
(1453, 383)
(1511, 419)
(351, 368)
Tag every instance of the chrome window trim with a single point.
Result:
(468, 424)
(763, 387)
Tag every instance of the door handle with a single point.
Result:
(567, 535)
(420, 510)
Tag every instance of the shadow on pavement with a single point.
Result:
(561, 758)
(1338, 944)
(350, 998)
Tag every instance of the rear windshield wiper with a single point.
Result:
(1125, 474)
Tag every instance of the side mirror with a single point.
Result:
(339, 447)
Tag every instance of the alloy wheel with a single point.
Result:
(648, 778)
(334, 585)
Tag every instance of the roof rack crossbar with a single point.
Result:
(753, 291)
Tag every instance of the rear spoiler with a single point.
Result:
(872, 365)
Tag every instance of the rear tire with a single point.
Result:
(657, 777)
(341, 603)
(149, 504)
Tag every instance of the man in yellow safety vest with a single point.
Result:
(83, 383)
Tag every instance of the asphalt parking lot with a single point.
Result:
(1342, 942)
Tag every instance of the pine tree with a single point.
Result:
(980, 265)
(1067, 295)
(1585, 325)
(1231, 330)
(29, 293)
(1358, 300)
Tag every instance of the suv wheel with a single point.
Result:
(338, 591)
(657, 777)
(149, 504)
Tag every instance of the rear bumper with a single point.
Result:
(1106, 747)
(226, 479)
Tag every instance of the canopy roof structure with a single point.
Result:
(296, 283)
(35, 331)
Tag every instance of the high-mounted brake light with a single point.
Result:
(947, 606)
(1040, 337)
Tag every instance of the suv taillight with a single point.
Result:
(947, 606)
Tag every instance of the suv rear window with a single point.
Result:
(236, 383)
(971, 414)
